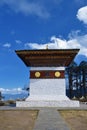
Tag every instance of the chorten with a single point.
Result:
(47, 77)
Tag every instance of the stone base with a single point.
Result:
(47, 104)
(44, 101)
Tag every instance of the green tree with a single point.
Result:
(71, 77)
(83, 78)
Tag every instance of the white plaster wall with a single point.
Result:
(47, 92)
(47, 68)
(47, 87)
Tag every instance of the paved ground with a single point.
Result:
(49, 118)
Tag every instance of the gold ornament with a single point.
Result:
(37, 74)
(57, 74)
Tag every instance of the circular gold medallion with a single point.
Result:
(37, 74)
(57, 74)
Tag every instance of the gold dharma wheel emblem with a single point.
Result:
(37, 74)
(57, 74)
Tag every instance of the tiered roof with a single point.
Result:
(48, 57)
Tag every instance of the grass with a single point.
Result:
(17, 119)
(76, 119)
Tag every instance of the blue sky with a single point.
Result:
(32, 24)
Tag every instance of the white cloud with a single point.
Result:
(26, 7)
(12, 91)
(35, 45)
(18, 41)
(75, 42)
(82, 14)
(7, 45)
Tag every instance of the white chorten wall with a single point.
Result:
(47, 88)
(47, 92)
